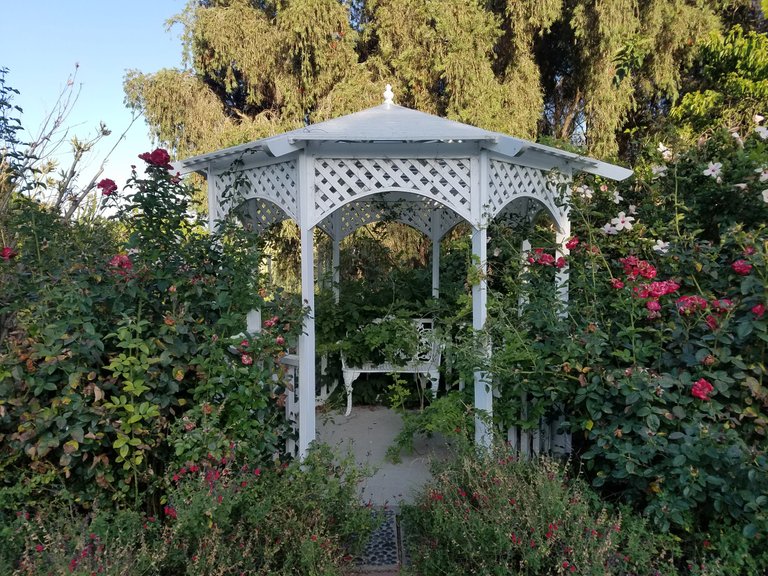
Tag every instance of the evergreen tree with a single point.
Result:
(585, 71)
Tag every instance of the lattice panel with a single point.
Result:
(510, 181)
(260, 214)
(337, 180)
(277, 183)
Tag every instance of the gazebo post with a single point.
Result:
(335, 261)
(483, 391)
(307, 338)
(435, 237)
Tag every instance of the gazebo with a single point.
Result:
(389, 161)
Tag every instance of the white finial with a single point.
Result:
(388, 94)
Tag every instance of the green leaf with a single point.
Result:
(678, 460)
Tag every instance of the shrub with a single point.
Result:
(221, 517)
(493, 514)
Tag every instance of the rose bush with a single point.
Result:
(658, 365)
(116, 359)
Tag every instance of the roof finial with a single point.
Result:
(388, 94)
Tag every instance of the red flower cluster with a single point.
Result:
(656, 289)
(271, 322)
(634, 267)
(544, 259)
(170, 511)
(688, 305)
(121, 263)
(7, 253)
(701, 389)
(158, 157)
(108, 187)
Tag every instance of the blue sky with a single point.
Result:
(42, 40)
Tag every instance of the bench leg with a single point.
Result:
(349, 377)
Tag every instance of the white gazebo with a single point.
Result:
(391, 162)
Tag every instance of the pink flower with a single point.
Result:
(39, 548)
(122, 264)
(108, 187)
(7, 253)
(617, 284)
(653, 305)
(701, 389)
(688, 305)
(279, 340)
(170, 511)
(758, 310)
(741, 267)
(572, 243)
(711, 321)
(158, 157)
(721, 305)
(244, 344)
(749, 250)
(246, 359)
(561, 262)
(546, 259)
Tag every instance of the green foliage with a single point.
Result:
(731, 83)
(659, 364)
(588, 71)
(492, 514)
(112, 349)
(221, 518)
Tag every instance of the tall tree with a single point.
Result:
(579, 70)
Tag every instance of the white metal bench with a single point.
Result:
(425, 364)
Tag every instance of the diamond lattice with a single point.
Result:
(339, 181)
(509, 182)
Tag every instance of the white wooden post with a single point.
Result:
(483, 393)
(435, 237)
(307, 337)
(335, 262)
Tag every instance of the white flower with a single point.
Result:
(713, 169)
(757, 118)
(740, 186)
(661, 247)
(609, 229)
(658, 170)
(763, 173)
(622, 222)
(617, 198)
(737, 137)
(762, 131)
(765, 195)
(632, 209)
(666, 153)
(584, 191)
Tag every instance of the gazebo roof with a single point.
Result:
(391, 124)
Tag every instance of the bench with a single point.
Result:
(425, 364)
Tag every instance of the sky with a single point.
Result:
(41, 41)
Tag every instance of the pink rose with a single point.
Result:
(560, 262)
(653, 305)
(617, 284)
(279, 340)
(122, 264)
(701, 389)
(741, 267)
(246, 359)
(758, 310)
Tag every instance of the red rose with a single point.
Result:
(108, 187)
(572, 243)
(758, 310)
(701, 389)
(158, 157)
(561, 262)
(741, 267)
(279, 340)
(7, 253)
(617, 284)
